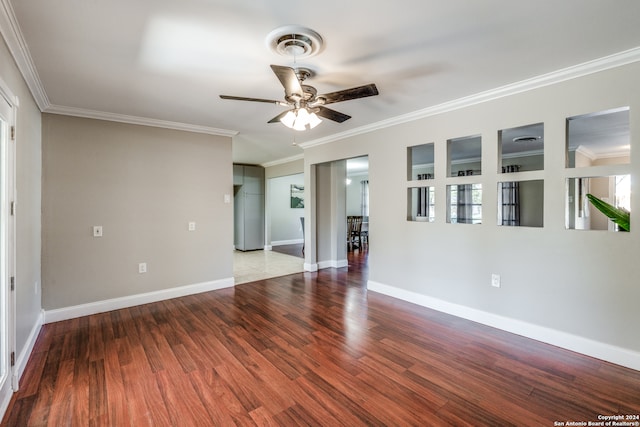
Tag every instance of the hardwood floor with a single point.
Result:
(306, 349)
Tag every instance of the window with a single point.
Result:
(465, 204)
(521, 203)
(421, 206)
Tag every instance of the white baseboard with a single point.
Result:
(339, 263)
(25, 353)
(326, 264)
(72, 312)
(268, 247)
(610, 353)
(286, 242)
(21, 362)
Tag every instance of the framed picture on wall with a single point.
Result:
(297, 196)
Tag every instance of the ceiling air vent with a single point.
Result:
(294, 41)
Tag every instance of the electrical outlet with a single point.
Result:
(495, 280)
(192, 226)
(142, 267)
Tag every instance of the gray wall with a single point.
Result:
(283, 169)
(583, 284)
(143, 185)
(278, 170)
(285, 221)
(330, 212)
(354, 193)
(28, 196)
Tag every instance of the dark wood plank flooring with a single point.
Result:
(306, 349)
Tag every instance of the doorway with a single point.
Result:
(283, 252)
(358, 202)
(341, 190)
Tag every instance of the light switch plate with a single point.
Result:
(97, 231)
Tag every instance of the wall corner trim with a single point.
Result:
(75, 311)
(610, 353)
(310, 267)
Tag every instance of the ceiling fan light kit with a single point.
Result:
(306, 105)
(300, 119)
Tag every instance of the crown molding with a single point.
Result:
(283, 161)
(527, 153)
(593, 156)
(12, 35)
(135, 120)
(569, 73)
(586, 152)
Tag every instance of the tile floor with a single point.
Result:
(257, 265)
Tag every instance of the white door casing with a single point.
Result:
(8, 382)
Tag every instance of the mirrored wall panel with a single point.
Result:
(521, 148)
(464, 156)
(420, 162)
(421, 204)
(584, 214)
(464, 204)
(521, 203)
(598, 139)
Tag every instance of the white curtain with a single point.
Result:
(364, 202)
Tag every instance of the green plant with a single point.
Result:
(619, 216)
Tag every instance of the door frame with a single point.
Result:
(8, 244)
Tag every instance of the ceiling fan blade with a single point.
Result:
(347, 94)
(289, 80)
(277, 118)
(242, 98)
(330, 114)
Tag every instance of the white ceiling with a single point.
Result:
(167, 60)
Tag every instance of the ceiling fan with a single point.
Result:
(306, 105)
